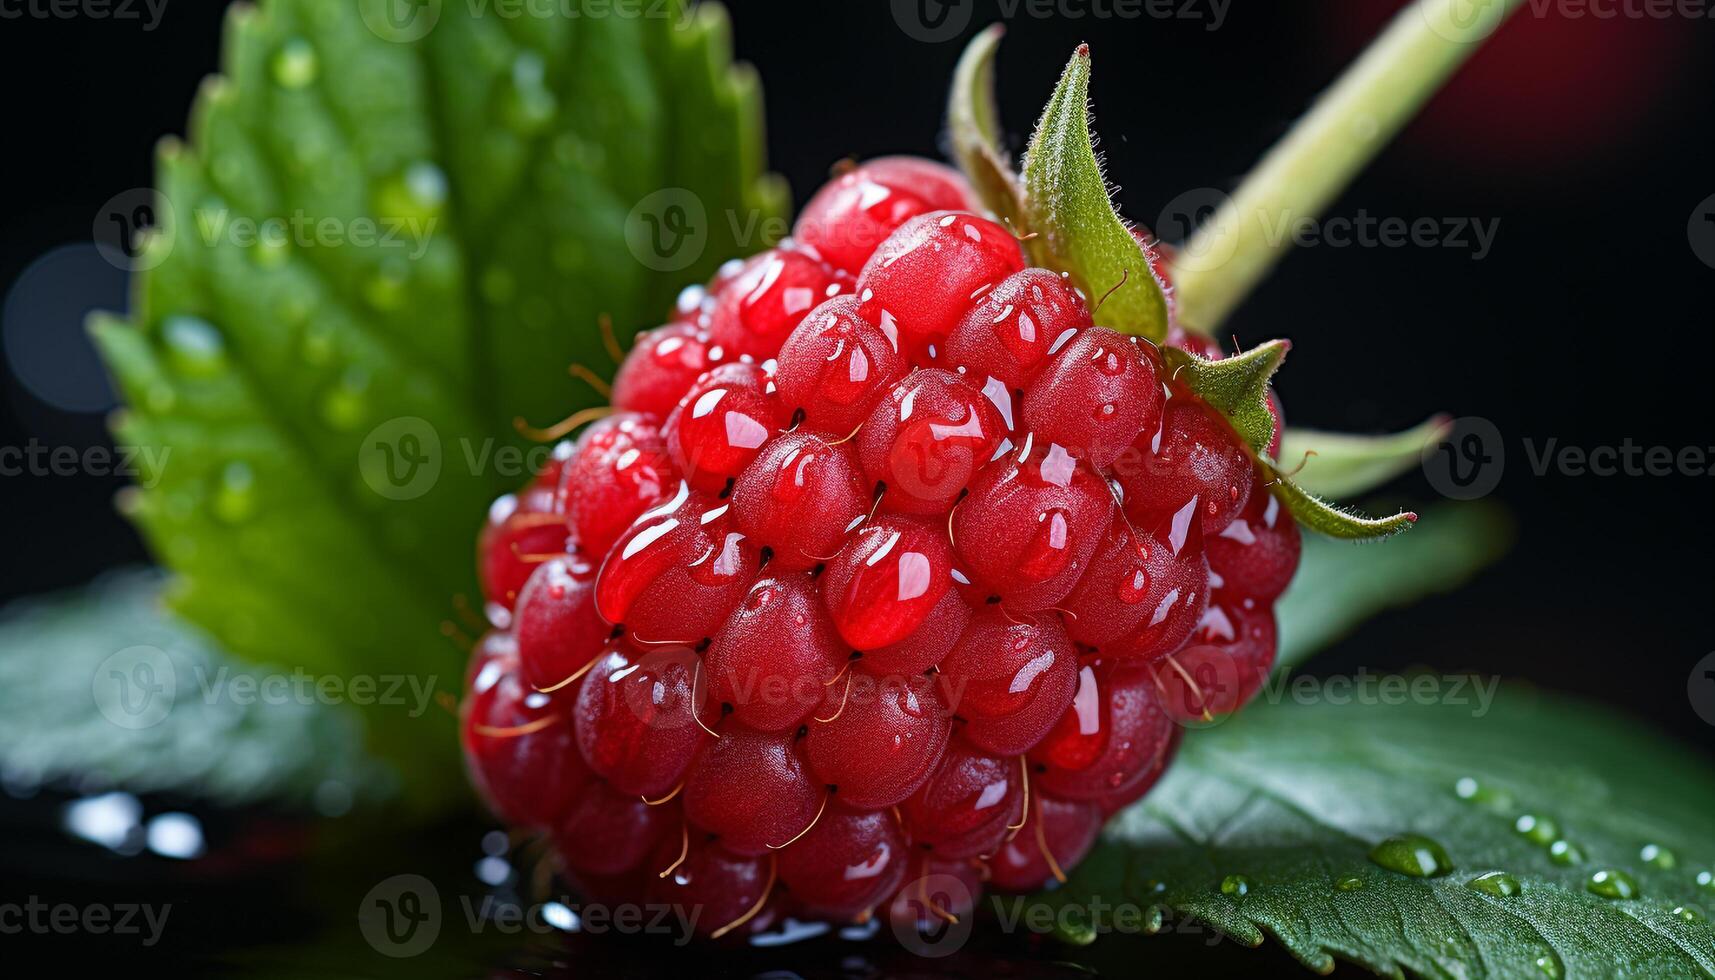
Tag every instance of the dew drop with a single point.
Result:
(1235, 886)
(194, 346)
(1689, 913)
(1613, 883)
(1549, 965)
(1472, 791)
(1541, 830)
(1657, 856)
(345, 405)
(528, 105)
(1412, 854)
(1496, 883)
(1706, 880)
(295, 64)
(1350, 883)
(414, 195)
(235, 493)
(1565, 852)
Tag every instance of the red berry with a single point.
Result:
(1062, 828)
(853, 213)
(1145, 590)
(935, 893)
(752, 790)
(800, 498)
(877, 740)
(968, 806)
(926, 439)
(1096, 395)
(610, 833)
(558, 628)
(618, 469)
(775, 657)
(677, 574)
(1225, 664)
(1010, 679)
(1193, 455)
(518, 743)
(1258, 552)
(1116, 734)
(848, 864)
(721, 424)
(927, 645)
(754, 312)
(836, 366)
(1009, 333)
(1026, 531)
(887, 580)
(706, 877)
(637, 719)
(929, 273)
(521, 531)
(662, 366)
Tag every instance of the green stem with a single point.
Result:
(1347, 126)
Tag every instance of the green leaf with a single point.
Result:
(1319, 515)
(974, 124)
(1237, 386)
(1068, 205)
(101, 684)
(1337, 465)
(1339, 585)
(337, 412)
(1265, 826)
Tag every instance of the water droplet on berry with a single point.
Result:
(1613, 883)
(194, 346)
(1412, 854)
(295, 64)
(1498, 884)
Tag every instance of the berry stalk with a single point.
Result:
(1303, 173)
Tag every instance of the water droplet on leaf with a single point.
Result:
(1613, 883)
(1496, 883)
(1412, 854)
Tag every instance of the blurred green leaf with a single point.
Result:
(385, 240)
(101, 684)
(1340, 584)
(1266, 825)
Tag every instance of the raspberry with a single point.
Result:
(891, 577)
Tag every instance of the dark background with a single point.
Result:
(1589, 322)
